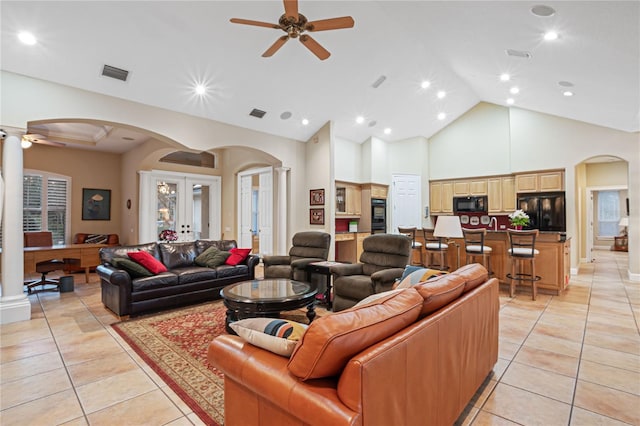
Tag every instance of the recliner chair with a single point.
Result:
(382, 261)
(308, 246)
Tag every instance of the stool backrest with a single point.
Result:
(409, 232)
(474, 237)
(38, 239)
(523, 240)
(430, 238)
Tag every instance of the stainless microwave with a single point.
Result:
(470, 204)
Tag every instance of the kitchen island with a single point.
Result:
(553, 264)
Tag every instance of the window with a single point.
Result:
(45, 200)
(608, 213)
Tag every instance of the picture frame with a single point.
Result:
(96, 204)
(316, 197)
(316, 216)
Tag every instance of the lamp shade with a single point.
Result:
(624, 221)
(448, 227)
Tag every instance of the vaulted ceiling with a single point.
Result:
(169, 47)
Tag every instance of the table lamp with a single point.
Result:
(624, 222)
(449, 227)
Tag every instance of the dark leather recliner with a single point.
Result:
(382, 261)
(308, 246)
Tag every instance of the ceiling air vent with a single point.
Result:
(257, 113)
(113, 72)
(518, 53)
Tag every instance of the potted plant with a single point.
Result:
(519, 219)
(168, 236)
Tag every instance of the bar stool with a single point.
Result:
(435, 248)
(523, 251)
(474, 247)
(416, 247)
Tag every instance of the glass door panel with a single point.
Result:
(166, 206)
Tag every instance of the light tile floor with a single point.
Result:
(572, 359)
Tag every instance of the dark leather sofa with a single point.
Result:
(184, 282)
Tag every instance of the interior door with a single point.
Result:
(263, 211)
(406, 199)
(244, 211)
(200, 195)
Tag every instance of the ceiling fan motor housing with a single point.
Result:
(291, 27)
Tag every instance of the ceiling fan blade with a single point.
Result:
(314, 47)
(255, 23)
(37, 138)
(330, 24)
(291, 9)
(275, 46)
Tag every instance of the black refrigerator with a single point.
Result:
(546, 211)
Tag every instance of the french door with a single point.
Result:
(255, 209)
(188, 204)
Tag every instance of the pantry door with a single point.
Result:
(188, 204)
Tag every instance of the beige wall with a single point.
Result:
(87, 169)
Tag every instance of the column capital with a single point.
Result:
(282, 169)
(12, 131)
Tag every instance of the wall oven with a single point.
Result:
(378, 216)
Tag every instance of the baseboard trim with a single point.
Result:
(14, 309)
(632, 276)
(574, 271)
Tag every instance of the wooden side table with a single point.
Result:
(621, 243)
(323, 268)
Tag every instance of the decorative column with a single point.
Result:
(283, 213)
(14, 304)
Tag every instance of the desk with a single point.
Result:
(88, 254)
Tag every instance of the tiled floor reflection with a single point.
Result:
(572, 359)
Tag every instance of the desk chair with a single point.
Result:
(475, 247)
(43, 239)
(416, 247)
(435, 248)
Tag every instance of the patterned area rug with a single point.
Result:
(174, 344)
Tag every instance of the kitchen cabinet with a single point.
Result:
(478, 187)
(501, 193)
(540, 182)
(348, 199)
(465, 188)
(349, 246)
(447, 197)
(379, 191)
(460, 188)
(441, 197)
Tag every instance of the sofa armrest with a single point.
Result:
(266, 376)
(346, 269)
(252, 261)
(115, 276)
(302, 263)
(276, 260)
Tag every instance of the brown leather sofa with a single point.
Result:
(415, 356)
(184, 282)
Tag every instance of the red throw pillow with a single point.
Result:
(145, 259)
(238, 255)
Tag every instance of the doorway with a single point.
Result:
(406, 198)
(255, 210)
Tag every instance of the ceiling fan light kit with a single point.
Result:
(295, 25)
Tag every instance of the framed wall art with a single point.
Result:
(316, 197)
(96, 204)
(316, 216)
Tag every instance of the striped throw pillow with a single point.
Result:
(276, 335)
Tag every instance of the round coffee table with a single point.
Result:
(267, 298)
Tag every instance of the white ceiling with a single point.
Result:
(168, 46)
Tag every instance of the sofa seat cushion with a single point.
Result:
(439, 291)
(330, 341)
(192, 274)
(226, 271)
(355, 287)
(163, 279)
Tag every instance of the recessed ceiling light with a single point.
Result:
(201, 89)
(27, 38)
(567, 93)
(305, 121)
(505, 77)
(550, 35)
(514, 90)
(359, 119)
(425, 84)
(387, 131)
(542, 10)
(442, 94)
(285, 115)
(442, 116)
(510, 101)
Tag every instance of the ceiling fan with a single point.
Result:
(295, 25)
(30, 138)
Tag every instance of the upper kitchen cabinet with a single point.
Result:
(348, 199)
(540, 182)
(465, 188)
(501, 193)
(441, 197)
(379, 191)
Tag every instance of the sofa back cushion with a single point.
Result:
(330, 341)
(223, 245)
(108, 253)
(177, 255)
(474, 274)
(439, 291)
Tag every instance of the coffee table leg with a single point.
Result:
(231, 317)
(311, 312)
